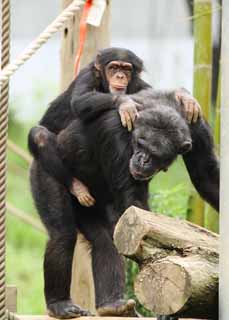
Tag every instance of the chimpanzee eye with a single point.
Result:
(127, 72)
(113, 67)
(128, 69)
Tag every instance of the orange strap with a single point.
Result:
(82, 34)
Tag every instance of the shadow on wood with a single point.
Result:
(178, 263)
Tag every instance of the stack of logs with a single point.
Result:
(178, 263)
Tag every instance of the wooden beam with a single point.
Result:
(82, 289)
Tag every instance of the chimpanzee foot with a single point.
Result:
(66, 309)
(119, 308)
(82, 193)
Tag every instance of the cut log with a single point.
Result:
(178, 263)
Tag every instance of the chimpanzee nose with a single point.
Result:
(120, 75)
(143, 160)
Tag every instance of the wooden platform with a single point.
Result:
(42, 317)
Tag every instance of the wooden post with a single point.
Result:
(11, 298)
(97, 38)
(82, 289)
(224, 171)
(202, 81)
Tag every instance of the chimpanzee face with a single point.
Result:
(117, 70)
(118, 75)
(159, 136)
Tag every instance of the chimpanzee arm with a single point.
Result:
(43, 145)
(202, 163)
(93, 104)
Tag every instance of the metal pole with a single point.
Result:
(224, 172)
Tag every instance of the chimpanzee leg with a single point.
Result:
(108, 270)
(202, 163)
(55, 207)
(43, 145)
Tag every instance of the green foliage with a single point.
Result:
(24, 246)
(24, 265)
(171, 202)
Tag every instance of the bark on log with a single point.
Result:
(178, 263)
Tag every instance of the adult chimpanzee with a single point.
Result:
(117, 166)
(114, 71)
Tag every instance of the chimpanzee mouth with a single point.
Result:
(137, 175)
(120, 89)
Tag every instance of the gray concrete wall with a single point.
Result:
(30, 17)
(130, 18)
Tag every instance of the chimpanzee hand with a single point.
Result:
(191, 105)
(81, 192)
(128, 112)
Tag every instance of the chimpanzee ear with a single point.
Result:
(186, 147)
(97, 63)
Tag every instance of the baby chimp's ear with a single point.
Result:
(186, 147)
(97, 63)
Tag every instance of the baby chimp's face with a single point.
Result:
(160, 134)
